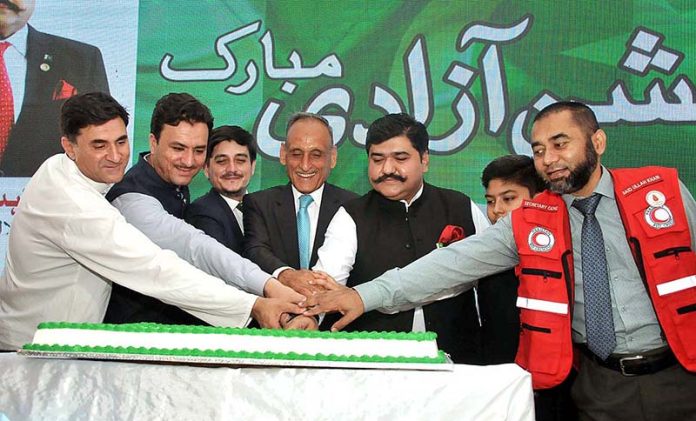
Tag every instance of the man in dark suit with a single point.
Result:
(44, 70)
(229, 165)
(271, 216)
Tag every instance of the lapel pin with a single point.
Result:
(45, 67)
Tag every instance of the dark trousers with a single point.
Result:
(555, 404)
(604, 394)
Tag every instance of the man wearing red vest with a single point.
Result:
(607, 275)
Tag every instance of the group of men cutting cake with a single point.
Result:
(604, 259)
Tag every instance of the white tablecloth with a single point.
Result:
(49, 389)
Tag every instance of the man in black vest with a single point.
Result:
(153, 196)
(399, 221)
(229, 165)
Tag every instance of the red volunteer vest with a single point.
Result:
(545, 296)
(653, 216)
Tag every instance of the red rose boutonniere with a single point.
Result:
(450, 234)
(63, 90)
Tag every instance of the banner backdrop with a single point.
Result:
(475, 72)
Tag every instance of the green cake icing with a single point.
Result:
(219, 353)
(193, 352)
(158, 328)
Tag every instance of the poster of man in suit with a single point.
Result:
(56, 50)
(44, 67)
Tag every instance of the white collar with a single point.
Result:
(72, 168)
(415, 197)
(316, 195)
(231, 202)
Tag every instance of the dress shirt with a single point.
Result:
(191, 244)
(68, 244)
(337, 255)
(16, 62)
(232, 203)
(460, 264)
(313, 210)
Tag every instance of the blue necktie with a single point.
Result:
(303, 230)
(599, 322)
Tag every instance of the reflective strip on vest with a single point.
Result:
(676, 285)
(542, 305)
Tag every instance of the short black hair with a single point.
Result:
(582, 114)
(393, 125)
(517, 169)
(174, 108)
(89, 109)
(231, 133)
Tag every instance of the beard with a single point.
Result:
(579, 176)
(232, 193)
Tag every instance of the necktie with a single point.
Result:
(598, 316)
(6, 101)
(303, 230)
(240, 207)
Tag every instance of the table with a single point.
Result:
(38, 389)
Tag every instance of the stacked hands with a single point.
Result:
(297, 296)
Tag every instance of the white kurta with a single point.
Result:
(67, 245)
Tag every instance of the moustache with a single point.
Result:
(232, 174)
(393, 176)
(11, 6)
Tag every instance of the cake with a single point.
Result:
(150, 341)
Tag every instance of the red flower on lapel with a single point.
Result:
(450, 234)
(63, 90)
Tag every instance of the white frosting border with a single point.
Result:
(238, 343)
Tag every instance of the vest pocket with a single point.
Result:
(541, 335)
(541, 272)
(539, 282)
(686, 309)
(684, 316)
(672, 251)
(535, 328)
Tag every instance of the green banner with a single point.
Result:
(474, 72)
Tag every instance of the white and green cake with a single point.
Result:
(220, 345)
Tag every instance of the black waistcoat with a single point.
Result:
(388, 237)
(126, 305)
(142, 178)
